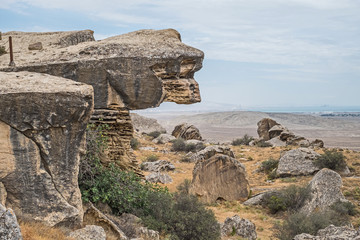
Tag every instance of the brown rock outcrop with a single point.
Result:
(137, 70)
(187, 132)
(264, 125)
(220, 177)
(42, 124)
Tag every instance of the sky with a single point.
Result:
(258, 53)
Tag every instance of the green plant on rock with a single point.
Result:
(262, 143)
(331, 159)
(269, 165)
(134, 143)
(2, 50)
(154, 134)
(178, 145)
(152, 158)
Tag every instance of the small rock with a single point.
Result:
(157, 177)
(163, 138)
(35, 46)
(157, 166)
(89, 232)
(242, 227)
(208, 152)
(9, 227)
(187, 132)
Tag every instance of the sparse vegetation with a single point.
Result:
(152, 158)
(245, 140)
(180, 216)
(331, 159)
(178, 145)
(269, 165)
(290, 198)
(154, 134)
(134, 143)
(2, 50)
(344, 208)
(38, 231)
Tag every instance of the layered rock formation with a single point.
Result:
(187, 132)
(137, 70)
(42, 125)
(220, 178)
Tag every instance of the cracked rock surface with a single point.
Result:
(42, 124)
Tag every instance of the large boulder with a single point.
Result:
(208, 152)
(325, 189)
(264, 125)
(332, 233)
(145, 125)
(136, 70)
(297, 162)
(241, 227)
(42, 132)
(220, 178)
(9, 227)
(186, 131)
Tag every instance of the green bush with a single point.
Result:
(181, 216)
(184, 187)
(152, 158)
(269, 165)
(331, 159)
(2, 50)
(134, 143)
(290, 198)
(245, 140)
(178, 145)
(301, 223)
(262, 143)
(344, 208)
(154, 134)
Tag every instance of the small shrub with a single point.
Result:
(245, 140)
(344, 208)
(262, 143)
(134, 143)
(301, 223)
(2, 50)
(184, 187)
(191, 147)
(331, 159)
(154, 134)
(178, 145)
(152, 158)
(291, 198)
(269, 165)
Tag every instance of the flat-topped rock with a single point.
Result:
(135, 71)
(42, 125)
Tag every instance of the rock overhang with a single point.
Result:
(137, 70)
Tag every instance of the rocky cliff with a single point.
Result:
(137, 70)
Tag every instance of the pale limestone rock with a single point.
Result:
(242, 227)
(89, 232)
(43, 120)
(157, 166)
(208, 152)
(9, 227)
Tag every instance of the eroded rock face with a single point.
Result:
(145, 125)
(89, 232)
(243, 227)
(137, 70)
(220, 177)
(157, 166)
(9, 227)
(297, 162)
(325, 189)
(187, 132)
(157, 177)
(42, 124)
(264, 125)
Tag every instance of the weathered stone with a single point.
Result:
(259, 199)
(9, 227)
(92, 216)
(332, 233)
(276, 131)
(163, 138)
(187, 132)
(297, 162)
(325, 189)
(276, 142)
(136, 70)
(220, 177)
(157, 177)
(157, 166)
(35, 46)
(43, 120)
(298, 141)
(317, 143)
(89, 232)
(264, 125)
(145, 125)
(242, 227)
(208, 152)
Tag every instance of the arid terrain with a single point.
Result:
(335, 131)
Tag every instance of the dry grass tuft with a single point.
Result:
(39, 231)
